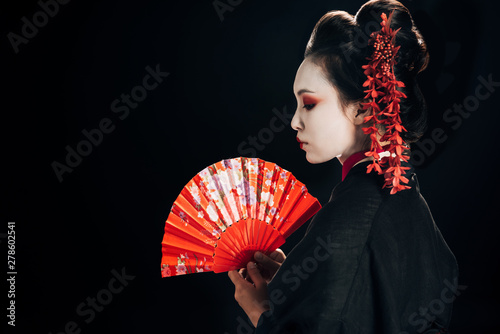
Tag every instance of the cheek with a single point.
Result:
(330, 132)
(329, 126)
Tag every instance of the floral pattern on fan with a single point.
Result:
(248, 191)
(182, 269)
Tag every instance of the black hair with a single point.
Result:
(339, 44)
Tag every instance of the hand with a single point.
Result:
(252, 297)
(269, 265)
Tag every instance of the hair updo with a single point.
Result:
(339, 44)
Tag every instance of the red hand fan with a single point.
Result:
(230, 210)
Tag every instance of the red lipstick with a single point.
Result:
(301, 143)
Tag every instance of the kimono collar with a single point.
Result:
(352, 160)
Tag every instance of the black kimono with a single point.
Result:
(370, 262)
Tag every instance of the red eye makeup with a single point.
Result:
(309, 102)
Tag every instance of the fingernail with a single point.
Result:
(258, 255)
(253, 265)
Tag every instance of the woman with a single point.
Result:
(372, 259)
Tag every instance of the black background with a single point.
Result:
(226, 77)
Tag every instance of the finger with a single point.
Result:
(267, 262)
(244, 274)
(255, 275)
(278, 255)
(235, 277)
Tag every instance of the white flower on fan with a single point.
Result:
(211, 185)
(224, 181)
(195, 192)
(268, 183)
(281, 187)
(253, 167)
(240, 186)
(212, 212)
(205, 174)
(272, 211)
(200, 214)
(269, 174)
(283, 175)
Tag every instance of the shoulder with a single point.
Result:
(359, 200)
(353, 202)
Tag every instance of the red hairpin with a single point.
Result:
(384, 104)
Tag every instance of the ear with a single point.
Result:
(357, 113)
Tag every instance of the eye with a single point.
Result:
(309, 102)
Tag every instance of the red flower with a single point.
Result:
(381, 83)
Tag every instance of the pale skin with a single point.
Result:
(327, 130)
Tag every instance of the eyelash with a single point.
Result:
(308, 106)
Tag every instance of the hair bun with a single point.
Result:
(413, 56)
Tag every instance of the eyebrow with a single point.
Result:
(304, 90)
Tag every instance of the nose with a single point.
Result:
(296, 123)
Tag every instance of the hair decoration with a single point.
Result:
(384, 100)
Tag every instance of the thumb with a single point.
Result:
(255, 275)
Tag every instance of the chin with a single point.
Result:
(312, 159)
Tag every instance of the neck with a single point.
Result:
(355, 159)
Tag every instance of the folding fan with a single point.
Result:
(230, 210)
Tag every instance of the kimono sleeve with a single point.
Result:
(329, 256)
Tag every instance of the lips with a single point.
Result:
(301, 142)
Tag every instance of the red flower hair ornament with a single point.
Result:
(384, 100)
